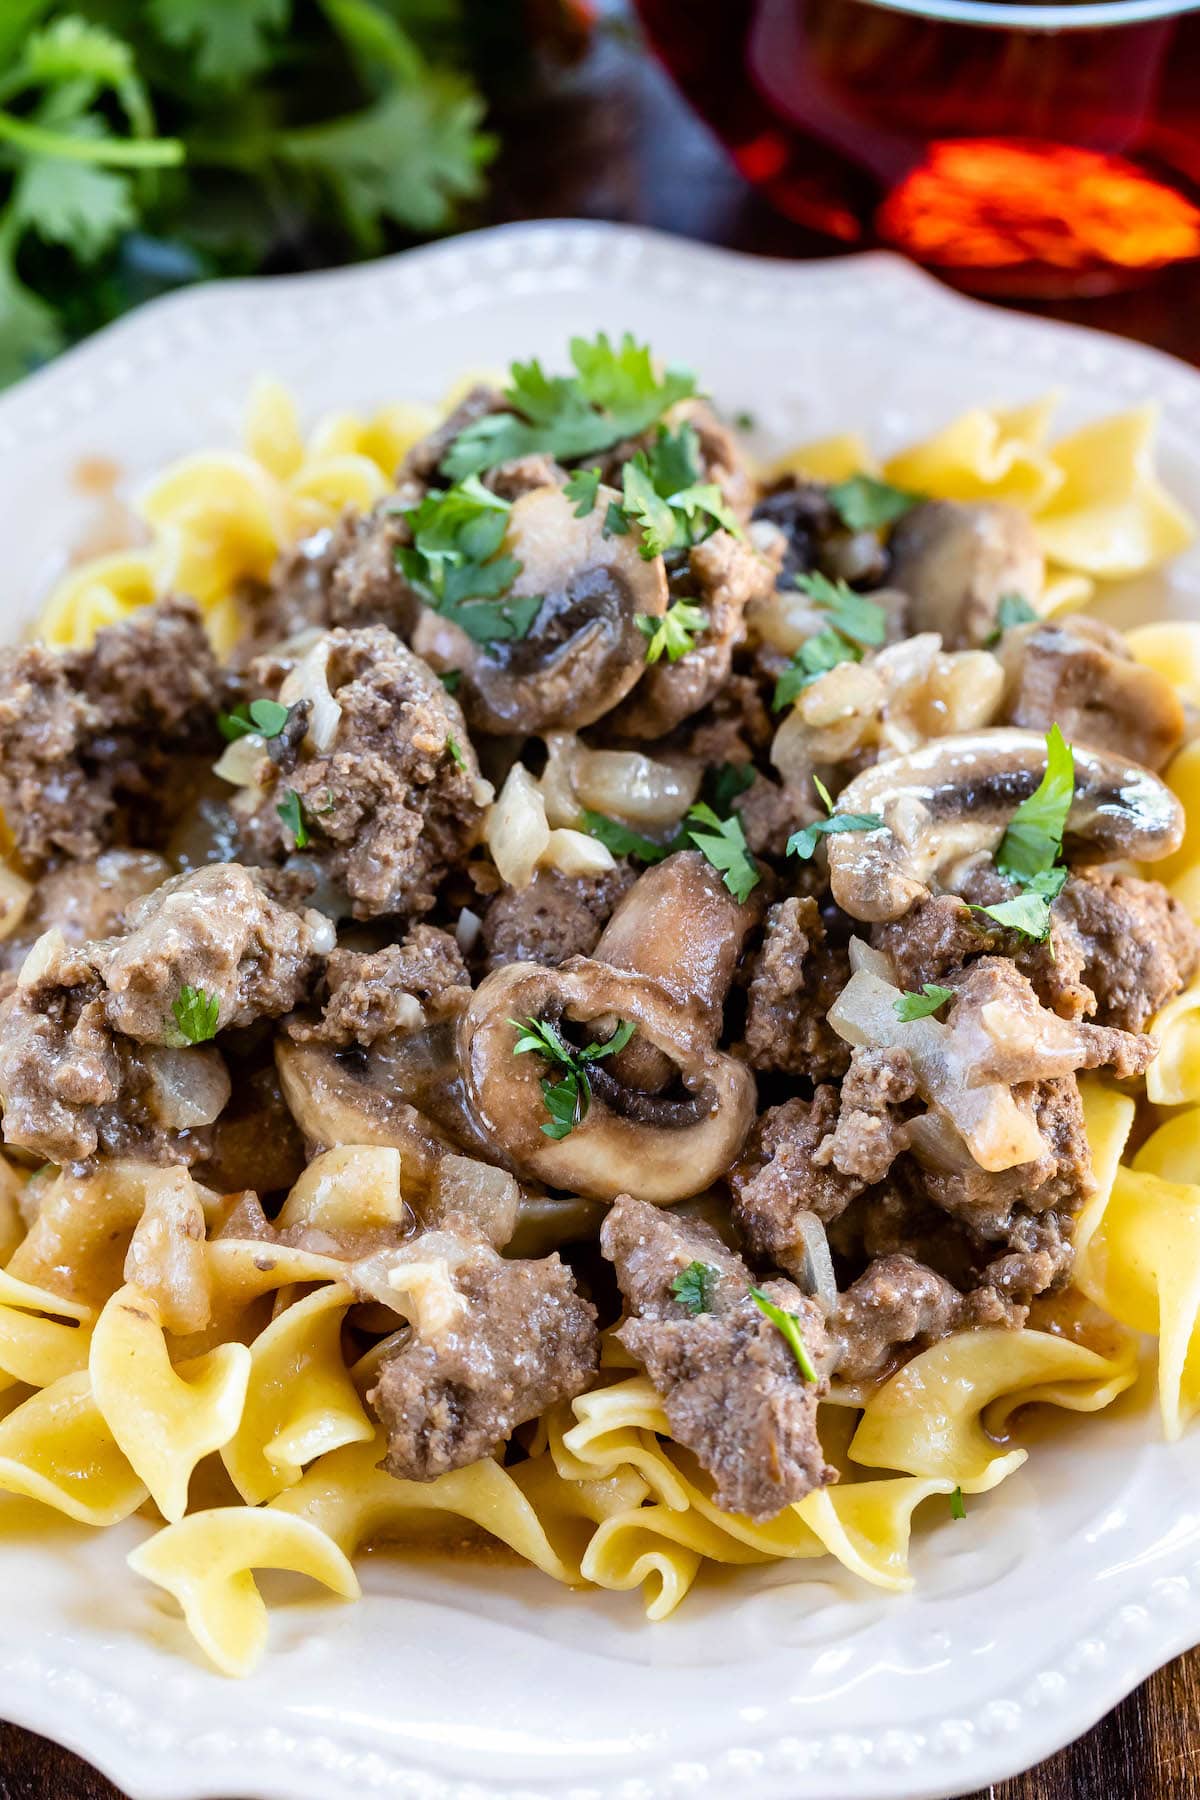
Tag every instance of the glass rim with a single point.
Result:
(1077, 15)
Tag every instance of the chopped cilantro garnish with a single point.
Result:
(923, 1005)
(615, 522)
(861, 620)
(789, 1326)
(569, 1098)
(864, 502)
(663, 494)
(583, 486)
(266, 717)
(803, 843)
(745, 421)
(622, 841)
(455, 749)
(693, 1287)
(291, 811)
(675, 633)
(195, 1014)
(1014, 609)
(613, 394)
(1032, 843)
(454, 562)
(957, 1507)
(723, 843)
(450, 679)
(1027, 913)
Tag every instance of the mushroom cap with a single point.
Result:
(957, 560)
(658, 1147)
(954, 798)
(584, 650)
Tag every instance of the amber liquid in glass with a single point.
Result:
(1008, 159)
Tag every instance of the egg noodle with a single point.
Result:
(219, 1409)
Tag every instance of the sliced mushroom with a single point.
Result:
(584, 650)
(680, 924)
(659, 1146)
(957, 561)
(954, 798)
(1079, 673)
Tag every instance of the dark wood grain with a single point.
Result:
(609, 139)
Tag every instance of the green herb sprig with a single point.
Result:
(866, 503)
(694, 1287)
(456, 565)
(675, 633)
(803, 843)
(266, 717)
(196, 1016)
(923, 1005)
(788, 1325)
(568, 1099)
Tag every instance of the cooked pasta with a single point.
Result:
(558, 993)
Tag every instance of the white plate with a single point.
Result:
(1032, 1618)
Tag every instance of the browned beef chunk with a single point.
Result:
(398, 988)
(724, 575)
(86, 899)
(1033, 1043)
(523, 475)
(732, 727)
(514, 1340)
(346, 574)
(779, 1178)
(87, 737)
(934, 939)
(556, 916)
(73, 1079)
(388, 806)
(1078, 673)
(729, 1383)
(1137, 944)
(795, 978)
(770, 814)
(870, 1132)
(987, 1201)
(897, 1307)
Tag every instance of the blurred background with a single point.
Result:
(1045, 155)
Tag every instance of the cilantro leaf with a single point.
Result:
(864, 502)
(196, 1014)
(583, 486)
(291, 811)
(861, 620)
(225, 40)
(81, 208)
(788, 1325)
(923, 1005)
(266, 717)
(615, 522)
(675, 633)
(693, 1287)
(723, 843)
(645, 506)
(622, 841)
(958, 1508)
(815, 657)
(410, 158)
(803, 843)
(450, 679)
(1027, 913)
(455, 751)
(455, 564)
(1013, 609)
(614, 394)
(569, 1098)
(1033, 841)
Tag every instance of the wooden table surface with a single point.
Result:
(609, 139)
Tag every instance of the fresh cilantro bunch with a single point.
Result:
(455, 562)
(614, 393)
(569, 1098)
(144, 143)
